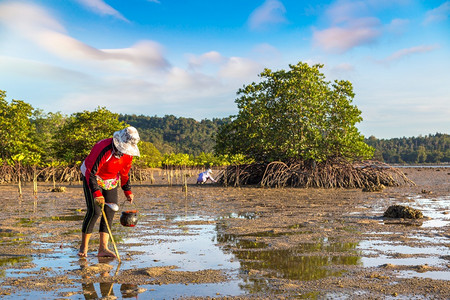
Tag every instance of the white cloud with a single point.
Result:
(226, 68)
(180, 79)
(397, 26)
(24, 17)
(343, 67)
(438, 14)
(351, 25)
(100, 7)
(409, 114)
(144, 53)
(211, 57)
(269, 13)
(346, 11)
(407, 52)
(179, 92)
(240, 68)
(30, 69)
(123, 79)
(266, 53)
(39, 27)
(341, 39)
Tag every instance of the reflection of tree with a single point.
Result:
(292, 264)
(10, 261)
(305, 261)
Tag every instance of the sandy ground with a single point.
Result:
(319, 230)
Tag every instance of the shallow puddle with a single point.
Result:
(194, 243)
(191, 243)
(191, 247)
(246, 215)
(304, 261)
(437, 275)
(168, 291)
(437, 209)
(11, 261)
(429, 251)
(188, 242)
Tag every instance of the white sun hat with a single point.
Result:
(126, 141)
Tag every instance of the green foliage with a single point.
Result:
(75, 138)
(31, 137)
(238, 159)
(46, 124)
(294, 115)
(17, 132)
(210, 160)
(150, 156)
(206, 160)
(177, 159)
(414, 150)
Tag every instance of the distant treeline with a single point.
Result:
(433, 148)
(170, 134)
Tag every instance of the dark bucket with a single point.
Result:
(129, 218)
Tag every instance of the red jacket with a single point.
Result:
(101, 162)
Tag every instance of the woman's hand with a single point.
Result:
(99, 200)
(130, 198)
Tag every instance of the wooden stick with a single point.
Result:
(110, 234)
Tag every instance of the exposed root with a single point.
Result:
(335, 173)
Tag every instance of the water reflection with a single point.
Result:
(9, 237)
(291, 264)
(13, 260)
(105, 288)
(25, 222)
(305, 261)
(129, 290)
(9, 233)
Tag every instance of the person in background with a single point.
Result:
(204, 176)
(107, 165)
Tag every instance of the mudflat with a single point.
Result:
(273, 243)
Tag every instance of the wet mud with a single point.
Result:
(233, 242)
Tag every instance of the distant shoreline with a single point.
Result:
(422, 166)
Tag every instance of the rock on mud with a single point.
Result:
(405, 212)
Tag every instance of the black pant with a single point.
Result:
(94, 211)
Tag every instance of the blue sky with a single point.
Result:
(188, 58)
